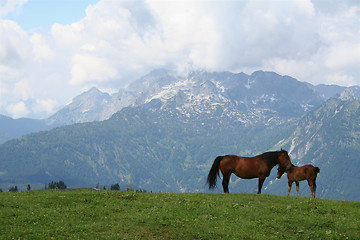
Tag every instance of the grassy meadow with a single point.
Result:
(90, 214)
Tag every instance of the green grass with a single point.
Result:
(89, 214)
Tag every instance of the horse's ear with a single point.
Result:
(281, 149)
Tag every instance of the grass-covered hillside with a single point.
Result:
(89, 214)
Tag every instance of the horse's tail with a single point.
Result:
(214, 172)
(317, 170)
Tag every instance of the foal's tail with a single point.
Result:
(214, 172)
(316, 169)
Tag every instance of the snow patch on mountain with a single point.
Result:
(261, 96)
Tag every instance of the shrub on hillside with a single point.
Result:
(56, 185)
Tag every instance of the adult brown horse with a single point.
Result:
(247, 167)
(296, 174)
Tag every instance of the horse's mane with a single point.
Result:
(272, 156)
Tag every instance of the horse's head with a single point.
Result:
(281, 171)
(284, 160)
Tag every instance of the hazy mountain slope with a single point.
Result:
(329, 138)
(334, 91)
(329, 91)
(86, 107)
(13, 128)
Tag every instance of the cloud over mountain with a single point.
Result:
(119, 41)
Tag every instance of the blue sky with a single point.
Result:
(42, 14)
(51, 51)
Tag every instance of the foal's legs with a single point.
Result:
(297, 188)
(289, 187)
(225, 182)
(312, 185)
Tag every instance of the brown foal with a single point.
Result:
(296, 174)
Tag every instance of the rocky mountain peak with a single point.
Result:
(347, 95)
(83, 108)
(259, 92)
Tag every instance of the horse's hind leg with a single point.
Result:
(298, 188)
(225, 182)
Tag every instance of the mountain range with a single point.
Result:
(163, 131)
(248, 92)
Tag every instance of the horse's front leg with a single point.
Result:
(261, 182)
(289, 187)
(297, 188)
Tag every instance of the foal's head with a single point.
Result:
(284, 160)
(281, 171)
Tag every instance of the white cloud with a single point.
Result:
(44, 105)
(343, 55)
(41, 48)
(22, 89)
(10, 6)
(67, 35)
(340, 79)
(118, 41)
(15, 47)
(17, 110)
(9, 73)
(87, 68)
(301, 69)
